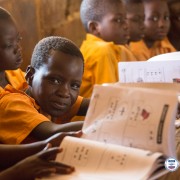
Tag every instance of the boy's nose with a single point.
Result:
(125, 25)
(63, 91)
(162, 22)
(142, 26)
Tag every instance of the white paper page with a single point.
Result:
(152, 85)
(134, 117)
(149, 71)
(95, 160)
(166, 57)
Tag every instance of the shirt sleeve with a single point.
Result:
(18, 117)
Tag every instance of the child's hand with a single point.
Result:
(40, 165)
(56, 139)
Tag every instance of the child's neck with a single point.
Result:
(149, 43)
(3, 80)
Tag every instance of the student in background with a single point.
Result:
(106, 27)
(10, 52)
(174, 33)
(135, 21)
(19, 162)
(54, 79)
(157, 24)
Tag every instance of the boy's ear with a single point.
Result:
(93, 28)
(29, 74)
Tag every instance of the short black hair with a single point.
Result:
(94, 10)
(43, 48)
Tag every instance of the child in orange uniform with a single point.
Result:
(157, 24)
(54, 78)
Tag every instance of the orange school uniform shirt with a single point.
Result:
(100, 63)
(16, 78)
(143, 53)
(19, 115)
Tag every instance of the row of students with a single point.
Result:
(112, 38)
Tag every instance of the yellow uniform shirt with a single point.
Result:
(101, 63)
(126, 54)
(143, 53)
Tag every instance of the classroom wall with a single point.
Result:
(40, 18)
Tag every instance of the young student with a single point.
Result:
(10, 52)
(174, 35)
(54, 78)
(10, 55)
(20, 161)
(135, 20)
(106, 27)
(157, 24)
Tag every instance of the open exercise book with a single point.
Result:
(128, 134)
(149, 71)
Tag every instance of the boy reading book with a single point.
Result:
(54, 77)
(129, 137)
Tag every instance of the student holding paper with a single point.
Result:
(27, 162)
(54, 79)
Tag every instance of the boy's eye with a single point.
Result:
(9, 45)
(75, 86)
(55, 81)
(166, 18)
(155, 18)
(120, 19)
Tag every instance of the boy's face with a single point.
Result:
(175, 17)
(113, 26)
(135, 20)
(157, 21)
(10, 51)
(55, 85)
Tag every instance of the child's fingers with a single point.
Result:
(48, 145)
(45, 172)
(49, 153)
(64, 170)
